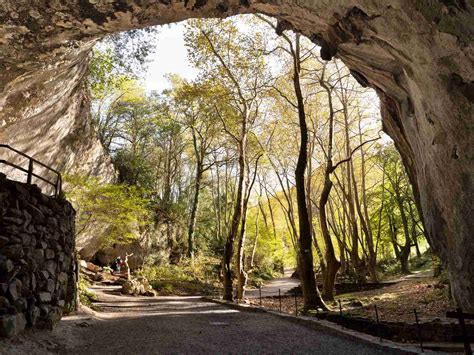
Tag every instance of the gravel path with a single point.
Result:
(177, 325)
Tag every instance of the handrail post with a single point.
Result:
(30, 172)
(462, 323)
(58, 186)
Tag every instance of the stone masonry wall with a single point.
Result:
(37, 264)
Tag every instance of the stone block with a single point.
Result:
(14, 290)
(21, 305)
(3, 241)
(12, 220)
(50, 286)
(38, 255)
(32, 316)
(14, 212)
(43, 275)
(43, 297)
(8, 325)
(14, 252)
(4, 302)
(6, 267)
(26, 238)
(41, 244)
(52, 222)
(20, 322)
(44, 310)
(33, 282)
(14, 240)
(51, 267)
(62, 277)
(49, 254)
(55, 245)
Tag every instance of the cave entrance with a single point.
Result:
(174, 134)
(423, 77)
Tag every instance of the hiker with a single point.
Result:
(116, 264)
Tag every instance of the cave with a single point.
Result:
(417, 54)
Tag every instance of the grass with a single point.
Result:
(186, 278)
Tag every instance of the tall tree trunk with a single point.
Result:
(236, 216)
(194, 209)
(311, 294)
(355, 259)
(414, 234)
(405, 249)
(240, 267)
(332, 264)
(242, 275)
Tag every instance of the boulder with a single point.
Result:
(128, 288)
(137, 287)
(93, 267)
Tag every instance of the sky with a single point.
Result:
(170, 57)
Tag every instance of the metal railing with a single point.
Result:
(57, 185)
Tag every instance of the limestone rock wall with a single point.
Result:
(417, 54)
(37, 264)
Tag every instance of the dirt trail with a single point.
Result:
(270, 288)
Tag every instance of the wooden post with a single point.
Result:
(419, 330)
(126, 264)
(378, 322)
(296, 304)
(279, 298)
(340, 314)
(462, 323)
(30, 172)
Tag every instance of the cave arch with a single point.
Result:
(417, 54)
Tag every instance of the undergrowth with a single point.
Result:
(86, 296)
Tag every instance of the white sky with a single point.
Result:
(170, 58)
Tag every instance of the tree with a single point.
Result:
(232, 62)
(194, 106)
(117, 211)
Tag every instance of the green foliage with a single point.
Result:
(117, 210)
(102, 80)
(86, 296)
